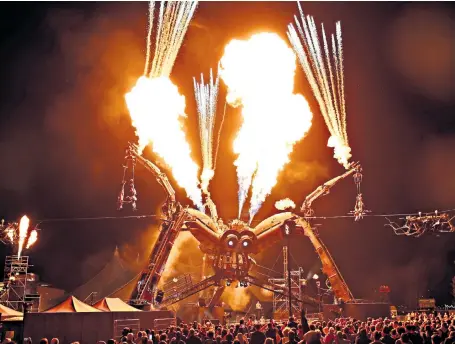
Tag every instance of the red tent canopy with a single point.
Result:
(114, 305)
(8, 313)
(72, 305)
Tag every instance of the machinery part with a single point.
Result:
(161, 178)
(359, 208)
(305, 299)
(194, 289)
(269, 232)
(204, 230)
(211, 206)
(329, 268)
(158, 258)
(416, 226)
(216, 296)
(131, 197)
(324, 189)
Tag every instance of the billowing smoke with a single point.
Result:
(237, 297)
(285, 204)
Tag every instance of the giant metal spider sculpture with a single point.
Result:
(228, 246)
(416, 226)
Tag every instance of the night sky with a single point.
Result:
(65, 68)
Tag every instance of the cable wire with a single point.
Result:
(99, 218)
(137, 217)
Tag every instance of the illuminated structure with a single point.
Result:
(229, 247)
(280, 301)
(18, 283)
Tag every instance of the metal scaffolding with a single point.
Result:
(280, 297)
(15, 279)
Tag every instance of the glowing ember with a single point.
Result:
(23, 231)
(259, 74)
(156, 108)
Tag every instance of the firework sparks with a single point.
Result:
(206, 100)
(10, 233)
(259, 74)
(324, 71)
(156, 107)
(173, 21)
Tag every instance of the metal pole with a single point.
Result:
(289, 276)
(25, 312)
(319, 295)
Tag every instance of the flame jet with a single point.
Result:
(259, 74)
(155, 104)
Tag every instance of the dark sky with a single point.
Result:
(65, 68)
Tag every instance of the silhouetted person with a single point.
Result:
(257, 337)
(271, 332)
(414, 336)
(192, 339)
(292, 323)
(304, 322)
(362, 338)
(387, 338)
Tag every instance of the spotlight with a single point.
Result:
(315, 276)
(247, 243)
(228, 283)
(231, 241)
(175, 280)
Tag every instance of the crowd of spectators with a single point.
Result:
(415, 329)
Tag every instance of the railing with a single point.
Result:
(120, 324)
(162, 324)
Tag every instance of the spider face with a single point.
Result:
(242, 242)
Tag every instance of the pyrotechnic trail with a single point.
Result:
(173, 21)
(326, 78)
(156, 107)
(206, 100)
(259, 74)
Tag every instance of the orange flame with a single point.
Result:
(23, 230)
(32, 239)
(259, 74)
(156, 108)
